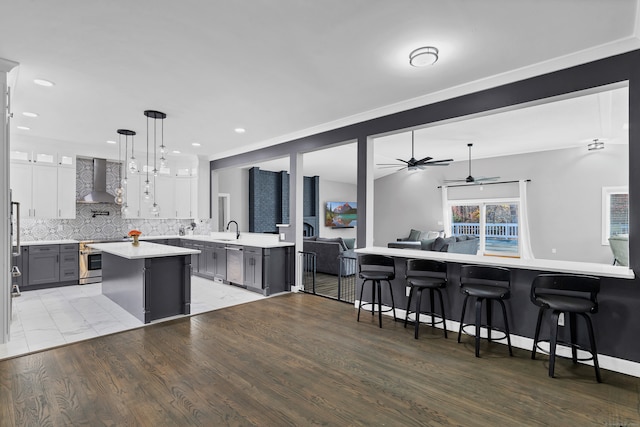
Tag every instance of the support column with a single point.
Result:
(296, 211)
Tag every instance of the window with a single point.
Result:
(495, 222)
(615, 212)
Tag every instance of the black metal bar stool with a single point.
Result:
(485, 283)
(426, 274)
(375, 269)
(571, 294)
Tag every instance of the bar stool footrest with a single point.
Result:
(367, 306)
(422, 313)
(566, 344)
(493, 329)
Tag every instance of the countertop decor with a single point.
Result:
(136, 235)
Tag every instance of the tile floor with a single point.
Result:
(51, 317)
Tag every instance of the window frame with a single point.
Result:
(482, 203)
(606, 209)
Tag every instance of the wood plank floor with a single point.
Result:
(300, 360)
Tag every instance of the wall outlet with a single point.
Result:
(408, 290)
(561, 319)
(282, 236)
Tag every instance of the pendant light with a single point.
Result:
(133, 164)
(155, 116)
(119, 199)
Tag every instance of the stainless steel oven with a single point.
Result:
(90, 264)
(91, 261)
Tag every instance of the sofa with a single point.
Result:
(463, 244)
(328, 251)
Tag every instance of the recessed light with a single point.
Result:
(43, 82)
(176, 152)
(195, 144)
(29, 114)
(240, 130)
(23, 128)
(111, 142)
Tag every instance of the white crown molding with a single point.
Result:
(555, 64)
(7, 65)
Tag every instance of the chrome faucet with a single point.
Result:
(237, 228)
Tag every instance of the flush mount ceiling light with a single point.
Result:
(29, 114)
(111, 142)
(240, 130)
(423, 56)
(43, 82)
(195, 144)
(595, 145)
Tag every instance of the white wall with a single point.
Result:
(235, 181)
(565, 198)
(332, 191)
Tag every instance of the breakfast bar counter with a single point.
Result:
(616, 324)
(150, 281)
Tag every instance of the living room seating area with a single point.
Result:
(435, 241)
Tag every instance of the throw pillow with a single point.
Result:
(414, 235)
(448, 241)
(438, 244)
(351, 243)
(432, 235)
(426, 244)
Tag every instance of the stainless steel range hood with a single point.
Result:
(98, 192)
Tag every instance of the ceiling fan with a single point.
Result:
(471, 179)
(413, 164)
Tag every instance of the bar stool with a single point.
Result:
(490, 284)
(375, 269)
(573, 295)
(426, 274)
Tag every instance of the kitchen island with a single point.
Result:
(150, 281)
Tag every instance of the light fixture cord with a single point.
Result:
(147, 165)
(126, 149)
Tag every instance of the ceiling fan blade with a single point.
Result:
(434, 162)
(388, 164)
(403, 161)
(426, 159)
(487, 178)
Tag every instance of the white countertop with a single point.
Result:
(258, 240)
(144, 250)
(572, 267)
(48, 242)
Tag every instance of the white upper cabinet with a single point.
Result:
(66, 192)
(184, 197)
(43, 189)
(21, 186)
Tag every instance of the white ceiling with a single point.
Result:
(279, 69)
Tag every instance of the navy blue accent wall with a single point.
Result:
(269, 200)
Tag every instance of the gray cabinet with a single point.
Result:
(253, 267)
(198, 261)
(216, 260)
(48, 266)
(268, 270)
(44, 264)
(69, 262)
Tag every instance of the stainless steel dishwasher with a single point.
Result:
(235, 265)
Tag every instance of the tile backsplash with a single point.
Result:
(101, 221)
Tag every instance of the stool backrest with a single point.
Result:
(573, 285)
(374, 262)
(426, 268)
(485, 275)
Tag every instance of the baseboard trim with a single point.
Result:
(610, 363)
